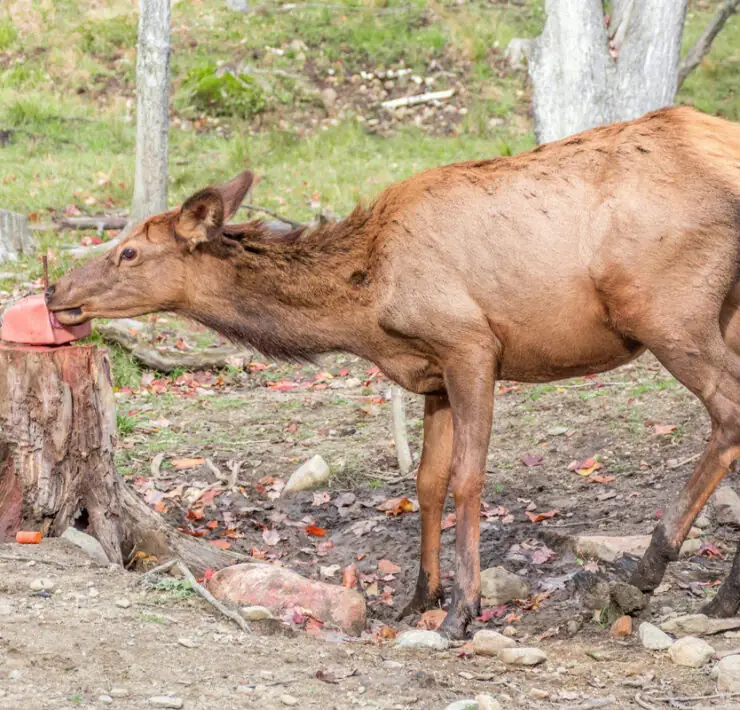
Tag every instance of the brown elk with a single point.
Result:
(567, 260)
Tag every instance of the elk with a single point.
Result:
(567, 260)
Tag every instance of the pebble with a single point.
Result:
(41, 584)
(422, 639)
(510, 631)
(727, 674)
(653, 638)
(691, 652)
(487, 702)
(6, 609)
(93, 592)
(288, 700)
(726, 506)
(490, 643)
(694, 532)
(105, 699)
(498, 586)
(466, 704)
(118, 691)
(539, 694)
(690, 548)
(702, 522)
(610, 548)
(523, 656)
(697, 624)
(165, 701)
(123, 603)
(393, 664)
(187, 643)
(256, 613)
(353, 382)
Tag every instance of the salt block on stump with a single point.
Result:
(29, 322)
(277, 588)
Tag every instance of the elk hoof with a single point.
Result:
(424, 599)
(459, 616)
(724, 605)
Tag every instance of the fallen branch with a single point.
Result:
(272, 213)
(418, 99)
(201, 590)
(129, 334)
(400, 434)
(673, 700)
(98, 223)
(704, 43)
(594, 703)
(643, 703)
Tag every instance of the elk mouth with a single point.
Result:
(67, 316)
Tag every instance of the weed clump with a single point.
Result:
(208, 91)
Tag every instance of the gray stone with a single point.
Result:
(466, 704)
(487, 702)
(238, 5)
(726, 506)
(88, 544)
(691, 652)
(523, 656)
(688, 625)
(653, 638)
(165, 701)
(256, 613)
(629, 598)
(422, 639)
(187, 643)
(690, 548)
(694, 532)
(118, 691)
(41, 584)
(490, 643)
(727, 674)
(329, 98)
(609, 548)
(288, 700)
(105, 699)
(123, 603)
(315, 472)
(500, 587)
(702, 522)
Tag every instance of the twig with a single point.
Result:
(594, 703)
(23, 558)
(400, 434)
(235, 467)
(418, 99)
(201, 590)
(704, 43)
(643, 703)
(594, 384)
(157, 465)
(687, 460)
(272, 213)
(694, 698)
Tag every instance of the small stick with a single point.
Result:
(272, 213)
(594, 703)
(21, 558)
(685, 461)
(643, 703)
(45, 262)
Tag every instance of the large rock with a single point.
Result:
(277, 588)
(691, 652)
(523, 656)
(629, 599)
(726, 506)
(422, 639)
(727, 674)
(88, 544)
(610, 549)
(653, 638)
(699, 624)
(491, 643)
(498, 586)
(315, 472)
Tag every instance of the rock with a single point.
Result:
(694, 532)
(518, 52)
(118, 691)
(395, 665)
(690, 548)
(510, 631)
(500, 587)
(42, 584)
(727, 674)
(610, 549)
(490, 643)
(621, 628)
(422, 639)
(702, 522)
(165, 701)
(277, 588)
(288, 700)
(353, 382)
(6, 609)
(653, 638)
(123, 603)
(522, 656)
(630, 599)
(467, 704)
(487, 702)
(329, 98)
(726, 506)
(256, 613)
(717, 626)
(597, 596)
(691, 652)
(238, 5)
(539, 694)
(105, 699)
(187, 643)
(88, 544)
(699, 624)
(314, 472)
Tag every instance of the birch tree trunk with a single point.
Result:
(15, 237)
(585, 76)
(152, 110)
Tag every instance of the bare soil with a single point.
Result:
(64, 649)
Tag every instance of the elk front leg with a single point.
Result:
(470, 388)
(727, 601)
(431, 485)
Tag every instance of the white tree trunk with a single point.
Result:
(15, 237)
(584, 76)
(400, 432)
(152, 110)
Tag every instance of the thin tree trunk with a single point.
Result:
(400, 432)
(15, 237)
(152, 110)
(57, 442)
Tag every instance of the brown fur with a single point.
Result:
(567, 260)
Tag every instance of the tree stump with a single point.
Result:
(15, 237)
(57, 442)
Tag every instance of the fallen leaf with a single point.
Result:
(432, 619)
(321, 498)
(542, 555)
(601, 479)
(585, 467)
(397, 506)
(185, 464)
(329, 571)
(493, 612)
(532, 459)
(663, 429)
(349, 576)
(220, 544)
(537, 517)
(345, 499)
(315, 530)
(212, 524)
(450, 520)
(385, 633)
(194, 514)
(387, 567)
(710, 550)
(271, 537)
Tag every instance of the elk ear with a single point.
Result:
(233, 192)
(201, 217)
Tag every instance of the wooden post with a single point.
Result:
(57, 442)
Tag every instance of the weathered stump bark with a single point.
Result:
(57, 442)
(15, 237)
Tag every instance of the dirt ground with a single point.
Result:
(68, 647)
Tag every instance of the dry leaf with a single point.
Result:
(397, 506)
(663, 429)
(271, 537)
(349, 576)
(387, 567)
(532, 459)
(185, 464)
(315, 530)
(537, 517)
(220, 544)
(601, 479)
(450, 520)
(585, 467)
(432, 619)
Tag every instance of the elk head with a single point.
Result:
(152, 269)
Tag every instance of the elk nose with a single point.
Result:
(49, 293)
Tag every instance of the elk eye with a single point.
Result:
(128, 254)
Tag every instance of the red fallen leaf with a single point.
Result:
(315, 530)
(537, 517)
(493, 612)
(186, 464)
(344, 372)
(387, 567)
(512, 618)
(160, 507)
(374, 370)
(542, 555)
(601, 479)
(432, 619)
(212, 524)
(271, 537)
(209, 496)
(663, 429)
(361, 556)
(258, 554)
(282, 385)
(466, 651)
(397, 506)
(189, 531)
(349, 576)
(658, 514)
(220, 544)
(449, 521)
(194, 514)
(208, 574)
(322, 549)
(256, 366)
(585, 467)
(532, 459)
(710, 550)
